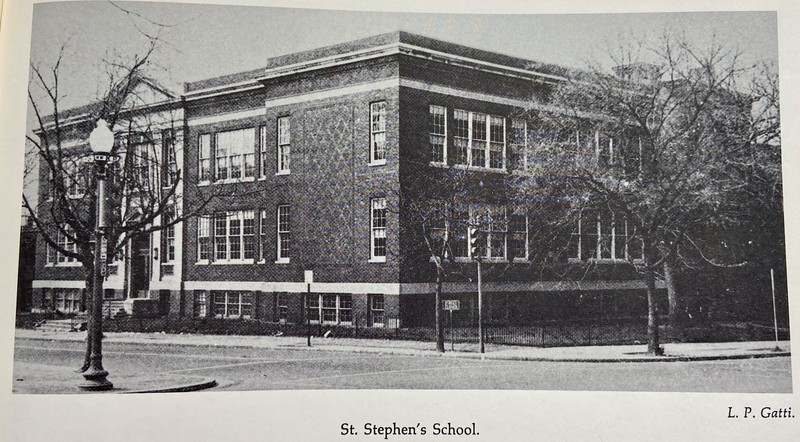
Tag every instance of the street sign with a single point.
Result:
(451, 304)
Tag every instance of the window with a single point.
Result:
(234, 236)
(492, 222)
(605, 150)
(312, 308)
(262, 231)
(262, 143)
(518, 156)
(284, 144)
(170, 163)
(141, 164)
(284, 234)
(518, 236)
(377, 118)
(167, 244)
(479, 139)
(67, 301)
(378, 235)
(235, 154)
(204, 158)
(438, 134)
(233, 304)
(200, 304)
(75, 176)
(282, 307)
(376, 310)
(66, 240)
(604, 236)
(203, 239)
(333, 309)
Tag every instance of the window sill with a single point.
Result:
(203, 183)
(248, 179)
(377, 259)
(604, 261)
(202, 262)
(233, 262)
(480, 168)
(282, 261)
(438, 164)
(65, 264)
(377, 163)
(470, 260)
(283, 172)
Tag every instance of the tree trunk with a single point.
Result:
(439, 313)
(653, 341)
(676, 313)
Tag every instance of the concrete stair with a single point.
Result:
(62, 325)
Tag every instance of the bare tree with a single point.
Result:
(649, 157)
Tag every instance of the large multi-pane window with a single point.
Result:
(66, 301)
(141, 163)
(204, 158)
(377, 118)
(168, 243)
(235, 154)
(492, 222)
(604, 236)
(437, 134)
(284, 145)
(74, 176)
(233, 304)
(284, 233)
(333, 309)
(479, 139)
(66, 241)
(234, 236)
(378, 229)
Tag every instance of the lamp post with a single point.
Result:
(101, 141)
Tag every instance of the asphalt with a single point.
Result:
(37, 378)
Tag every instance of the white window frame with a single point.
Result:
(283, 231)
(377, 133)
(432, 134)
(204, 228)
(489, 231)
(597, 226)
(262, 144)
(487, 119)
(236, 299)
(239, 149)
(204, 153)
(60, 259)
(377, 232)
(234, 220)
(284, 140)
(373, 311)
(525, 235)
(338, 308)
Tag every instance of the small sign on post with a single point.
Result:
(451, 304)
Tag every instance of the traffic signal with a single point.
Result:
(474, 242)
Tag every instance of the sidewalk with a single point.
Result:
(607, 353)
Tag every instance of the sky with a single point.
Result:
(203, 41)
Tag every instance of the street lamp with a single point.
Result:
(101, 140)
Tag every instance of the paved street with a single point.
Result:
(282, 369)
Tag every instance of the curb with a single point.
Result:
(202, 385)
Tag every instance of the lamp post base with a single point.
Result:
(95, 380)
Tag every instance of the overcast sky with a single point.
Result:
(208, 40)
